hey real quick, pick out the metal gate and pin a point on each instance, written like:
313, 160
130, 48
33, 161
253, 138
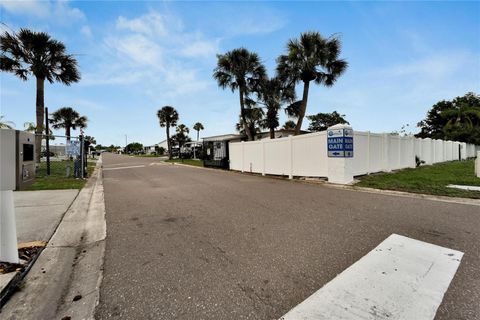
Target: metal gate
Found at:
215, 154
63, 156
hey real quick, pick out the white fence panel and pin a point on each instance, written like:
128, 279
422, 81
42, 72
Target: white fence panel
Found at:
306, 155
253, 156
235, 156
309, 153
361, 154
276, 156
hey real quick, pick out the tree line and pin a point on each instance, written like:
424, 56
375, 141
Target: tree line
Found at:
168, 117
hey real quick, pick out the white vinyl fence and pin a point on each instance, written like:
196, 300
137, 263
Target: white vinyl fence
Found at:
306, 155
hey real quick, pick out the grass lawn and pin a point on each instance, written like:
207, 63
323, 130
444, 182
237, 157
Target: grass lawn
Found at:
192, 162
428, 179
57, 178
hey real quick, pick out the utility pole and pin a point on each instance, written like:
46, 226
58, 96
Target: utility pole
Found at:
126, 144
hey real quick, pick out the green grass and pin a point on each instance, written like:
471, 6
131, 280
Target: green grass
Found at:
428, 179
57, 178
192, 162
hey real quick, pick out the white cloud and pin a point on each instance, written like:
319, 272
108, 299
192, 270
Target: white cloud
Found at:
56, 11
35, 8
155, 51
86, 31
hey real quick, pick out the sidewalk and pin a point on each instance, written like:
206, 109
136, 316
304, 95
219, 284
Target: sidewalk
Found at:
38, 213
64, 280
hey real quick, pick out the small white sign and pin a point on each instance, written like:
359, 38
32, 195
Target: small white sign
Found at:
72, 148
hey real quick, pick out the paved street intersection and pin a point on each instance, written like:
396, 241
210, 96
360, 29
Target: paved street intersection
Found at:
192, 243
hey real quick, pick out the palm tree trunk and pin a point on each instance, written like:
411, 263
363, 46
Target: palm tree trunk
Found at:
198, 134
40, 112
169, 147
272, 133
67, 133
242, 115
303, 107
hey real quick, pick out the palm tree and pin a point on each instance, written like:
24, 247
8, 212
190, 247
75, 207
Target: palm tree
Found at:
289, 125
68, 119
35, 53
272, 94
197, 127
240, 69
311, 58
254, 118
6, 124
168, 117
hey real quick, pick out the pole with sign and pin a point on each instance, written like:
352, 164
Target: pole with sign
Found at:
340, 138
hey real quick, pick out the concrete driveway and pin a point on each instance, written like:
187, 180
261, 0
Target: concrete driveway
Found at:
188, 243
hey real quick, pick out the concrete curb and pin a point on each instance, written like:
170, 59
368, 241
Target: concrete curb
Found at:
352, 187
65, 280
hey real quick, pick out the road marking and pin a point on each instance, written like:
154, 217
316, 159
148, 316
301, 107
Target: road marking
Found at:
402, 278
120, 168
469, 188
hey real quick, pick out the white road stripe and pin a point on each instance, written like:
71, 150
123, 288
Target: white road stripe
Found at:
119, 168
401, 278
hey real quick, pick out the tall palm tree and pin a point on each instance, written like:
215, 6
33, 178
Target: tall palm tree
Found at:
68, 119
311, 58
240, 69
197, 127
35, 53
168, 117
6, 124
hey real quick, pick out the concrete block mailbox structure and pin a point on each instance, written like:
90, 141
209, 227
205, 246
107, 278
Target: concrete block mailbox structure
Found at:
307, 155
8, 231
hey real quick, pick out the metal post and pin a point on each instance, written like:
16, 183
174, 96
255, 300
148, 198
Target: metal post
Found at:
82, 150
47, 141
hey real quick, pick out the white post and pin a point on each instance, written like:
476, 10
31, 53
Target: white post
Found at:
243, 155
340, 157
385, 152
8, 228
290, 142
477, 165
263, 157
368, 152
413, 164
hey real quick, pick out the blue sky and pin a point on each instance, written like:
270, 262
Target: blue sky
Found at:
136, 57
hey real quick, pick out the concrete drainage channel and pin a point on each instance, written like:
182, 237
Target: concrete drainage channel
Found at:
64, 282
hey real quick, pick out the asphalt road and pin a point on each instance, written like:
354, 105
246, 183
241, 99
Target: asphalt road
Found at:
188, 243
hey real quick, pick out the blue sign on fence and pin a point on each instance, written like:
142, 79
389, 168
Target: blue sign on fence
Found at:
340, 143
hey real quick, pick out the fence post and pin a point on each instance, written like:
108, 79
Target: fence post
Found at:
243, 154
47, 142
263, 157
368, 152
82, 150
385, 152
290, 143
413, 164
